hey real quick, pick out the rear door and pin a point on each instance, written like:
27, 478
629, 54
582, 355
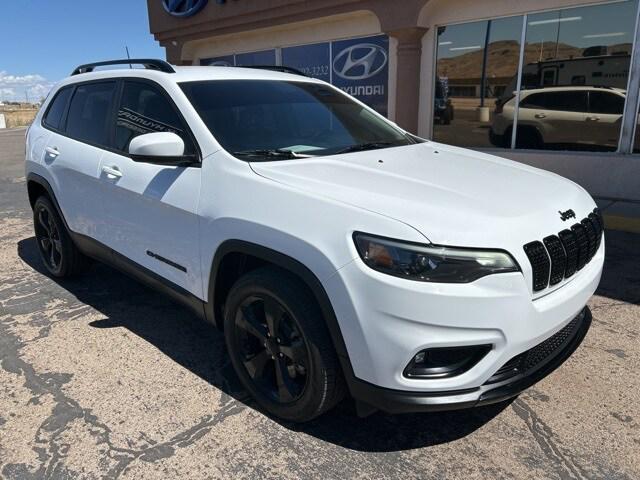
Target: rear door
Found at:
151, 210
73, 152
558, 114
605, 117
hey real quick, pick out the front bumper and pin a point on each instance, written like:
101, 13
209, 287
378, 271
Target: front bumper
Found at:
500, 387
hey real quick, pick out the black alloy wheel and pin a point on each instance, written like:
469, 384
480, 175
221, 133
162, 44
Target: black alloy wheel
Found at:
274, 353
280, 346
58, 252
48, 237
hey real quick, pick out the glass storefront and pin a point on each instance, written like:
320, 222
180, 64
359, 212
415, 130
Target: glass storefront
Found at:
575, 71
476, 63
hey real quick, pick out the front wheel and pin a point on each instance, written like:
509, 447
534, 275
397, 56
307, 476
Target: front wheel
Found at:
280, 347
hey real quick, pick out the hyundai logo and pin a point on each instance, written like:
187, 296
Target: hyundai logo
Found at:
183, 8
361, 61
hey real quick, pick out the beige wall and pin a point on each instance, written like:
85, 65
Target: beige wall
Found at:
349, 25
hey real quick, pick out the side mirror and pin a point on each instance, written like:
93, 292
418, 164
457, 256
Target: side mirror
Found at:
162, 148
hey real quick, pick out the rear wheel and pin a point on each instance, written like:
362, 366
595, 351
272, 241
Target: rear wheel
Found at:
58, 252
280, 347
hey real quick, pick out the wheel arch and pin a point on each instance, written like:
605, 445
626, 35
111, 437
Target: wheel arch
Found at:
37, 185
243, 256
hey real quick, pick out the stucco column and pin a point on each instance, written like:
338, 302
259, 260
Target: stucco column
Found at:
409, 57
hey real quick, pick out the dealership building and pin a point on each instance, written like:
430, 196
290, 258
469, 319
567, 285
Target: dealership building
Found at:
551, 83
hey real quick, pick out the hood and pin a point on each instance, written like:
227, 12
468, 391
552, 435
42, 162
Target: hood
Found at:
452, 196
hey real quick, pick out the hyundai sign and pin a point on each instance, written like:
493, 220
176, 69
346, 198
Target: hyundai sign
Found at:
183, 8
360, 67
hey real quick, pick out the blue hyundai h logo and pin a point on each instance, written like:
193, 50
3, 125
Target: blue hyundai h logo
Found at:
183, 8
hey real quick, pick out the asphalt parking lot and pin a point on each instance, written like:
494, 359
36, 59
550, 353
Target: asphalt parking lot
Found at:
103, 378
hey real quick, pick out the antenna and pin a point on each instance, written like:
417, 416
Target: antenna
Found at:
128, 56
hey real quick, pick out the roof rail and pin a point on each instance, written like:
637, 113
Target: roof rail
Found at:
276, 68
148, 63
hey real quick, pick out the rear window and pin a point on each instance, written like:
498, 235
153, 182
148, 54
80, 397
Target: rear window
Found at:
90, 111
53, 117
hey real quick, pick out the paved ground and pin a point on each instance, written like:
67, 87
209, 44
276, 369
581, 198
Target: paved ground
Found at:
102, 378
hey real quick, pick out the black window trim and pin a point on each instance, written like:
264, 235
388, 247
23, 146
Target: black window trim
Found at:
119, 87
63, 117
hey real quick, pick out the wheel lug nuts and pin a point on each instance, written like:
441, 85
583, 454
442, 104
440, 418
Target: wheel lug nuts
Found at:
281, 354
273, 357
278, 340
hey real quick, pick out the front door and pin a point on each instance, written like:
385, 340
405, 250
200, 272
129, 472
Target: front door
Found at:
152, 209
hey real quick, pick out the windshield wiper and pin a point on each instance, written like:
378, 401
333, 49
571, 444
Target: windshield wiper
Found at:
274, 152
360, 147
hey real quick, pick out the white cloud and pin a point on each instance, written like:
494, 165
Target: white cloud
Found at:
15, 80
20, 87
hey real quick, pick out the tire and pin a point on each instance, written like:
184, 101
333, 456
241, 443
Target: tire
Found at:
529, 138
297, 375
58, 252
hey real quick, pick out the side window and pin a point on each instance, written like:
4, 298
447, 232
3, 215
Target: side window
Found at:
53, 117
89, 112
144, 109
606, 103
535, 101
572, 101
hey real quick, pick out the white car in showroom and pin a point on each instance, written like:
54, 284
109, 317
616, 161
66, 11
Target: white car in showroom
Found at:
553, 116
338, 253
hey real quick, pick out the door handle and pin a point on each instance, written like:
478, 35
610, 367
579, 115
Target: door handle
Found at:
112, 172
52, 151
593, 119
540, 115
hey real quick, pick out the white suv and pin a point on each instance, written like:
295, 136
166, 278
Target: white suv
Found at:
337, 252
561, 116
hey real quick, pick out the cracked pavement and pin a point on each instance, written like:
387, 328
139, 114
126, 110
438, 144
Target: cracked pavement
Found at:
101, 377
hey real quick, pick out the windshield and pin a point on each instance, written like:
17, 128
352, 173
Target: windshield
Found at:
267, 120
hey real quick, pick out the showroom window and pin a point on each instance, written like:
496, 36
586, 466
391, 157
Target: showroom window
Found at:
477, 63
573, 79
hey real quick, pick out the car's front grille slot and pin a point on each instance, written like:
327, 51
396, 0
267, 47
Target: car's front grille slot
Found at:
583, 244
570, 245
540, 263
559, 257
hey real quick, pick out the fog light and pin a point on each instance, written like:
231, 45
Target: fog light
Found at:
445, 362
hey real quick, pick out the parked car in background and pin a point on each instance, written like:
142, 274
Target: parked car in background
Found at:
551, 116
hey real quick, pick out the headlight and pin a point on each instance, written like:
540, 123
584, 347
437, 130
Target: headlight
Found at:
430, 263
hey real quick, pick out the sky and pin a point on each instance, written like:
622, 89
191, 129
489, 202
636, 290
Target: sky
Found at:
42, 41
